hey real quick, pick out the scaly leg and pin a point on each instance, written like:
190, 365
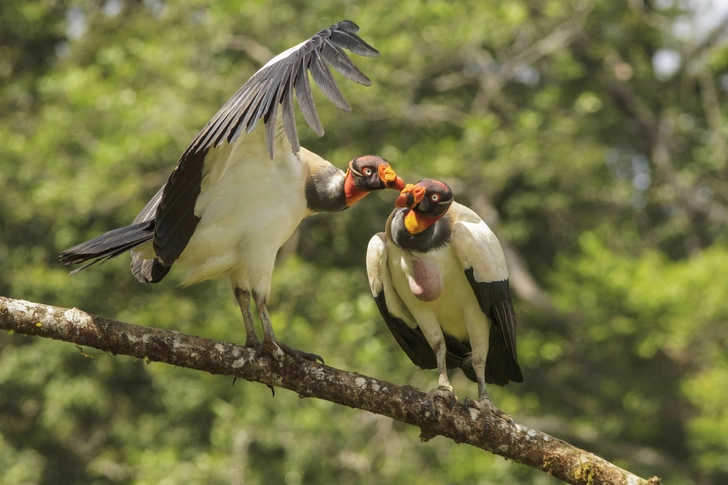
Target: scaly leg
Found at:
270, 343
243, 298
484, 403
443, 390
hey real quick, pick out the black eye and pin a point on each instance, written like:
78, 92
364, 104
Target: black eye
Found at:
435, 197
367, 171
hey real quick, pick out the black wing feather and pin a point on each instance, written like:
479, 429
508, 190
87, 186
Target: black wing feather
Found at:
325, 80
306, 104
175, 218
415, 345
495, 301
338, 59
349, 40
147, 214
288, 118
270, 130
148, 270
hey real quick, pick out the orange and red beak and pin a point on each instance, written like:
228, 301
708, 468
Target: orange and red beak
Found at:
410, 196
389, 177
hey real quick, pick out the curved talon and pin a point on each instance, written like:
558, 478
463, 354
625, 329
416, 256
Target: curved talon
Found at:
278, 349
258, 347
444, 393
252, 343
485, 404
300, 354
505, 417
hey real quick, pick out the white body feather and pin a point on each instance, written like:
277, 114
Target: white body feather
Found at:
248, 207
456, 311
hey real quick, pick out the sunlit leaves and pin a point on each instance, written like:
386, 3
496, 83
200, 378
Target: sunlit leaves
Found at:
99, 98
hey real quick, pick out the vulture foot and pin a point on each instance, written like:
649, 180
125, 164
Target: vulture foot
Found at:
252, 342
274, 349
443, 392
299, 354
485, 404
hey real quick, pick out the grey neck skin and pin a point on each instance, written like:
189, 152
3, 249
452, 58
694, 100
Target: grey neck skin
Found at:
434, 237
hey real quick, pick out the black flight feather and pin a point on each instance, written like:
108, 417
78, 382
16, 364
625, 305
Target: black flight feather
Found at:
495, 301
306, 104
415, 345
325, 80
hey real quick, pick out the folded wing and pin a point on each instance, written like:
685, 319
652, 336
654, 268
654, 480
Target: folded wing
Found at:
408, 336
484, 264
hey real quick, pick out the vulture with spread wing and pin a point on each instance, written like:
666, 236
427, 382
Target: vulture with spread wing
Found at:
237, 193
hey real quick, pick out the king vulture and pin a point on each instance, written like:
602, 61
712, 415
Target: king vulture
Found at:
237, 193
440, 281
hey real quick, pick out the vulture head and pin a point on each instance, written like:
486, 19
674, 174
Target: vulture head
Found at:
368, 173
427, 201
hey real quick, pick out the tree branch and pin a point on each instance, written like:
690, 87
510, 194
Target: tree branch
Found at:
309, 379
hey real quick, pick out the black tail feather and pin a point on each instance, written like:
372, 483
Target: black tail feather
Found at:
108, 245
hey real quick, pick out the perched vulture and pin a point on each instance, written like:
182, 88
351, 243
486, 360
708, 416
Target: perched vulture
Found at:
237, 193
440, 281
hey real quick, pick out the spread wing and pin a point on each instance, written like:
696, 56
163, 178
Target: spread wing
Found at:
396, 315
483, 261
276, 83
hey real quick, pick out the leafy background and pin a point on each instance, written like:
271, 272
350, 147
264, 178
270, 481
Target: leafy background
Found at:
589, 135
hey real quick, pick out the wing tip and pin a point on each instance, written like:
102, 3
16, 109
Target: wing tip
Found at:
371, 52
352, 26
225, 127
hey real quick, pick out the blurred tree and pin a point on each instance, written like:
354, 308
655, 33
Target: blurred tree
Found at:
588, 134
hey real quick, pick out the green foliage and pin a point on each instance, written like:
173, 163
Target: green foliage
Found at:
520, 105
